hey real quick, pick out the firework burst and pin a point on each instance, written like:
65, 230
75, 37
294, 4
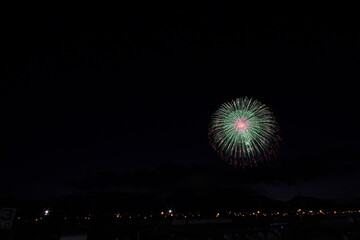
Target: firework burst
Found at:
244, 132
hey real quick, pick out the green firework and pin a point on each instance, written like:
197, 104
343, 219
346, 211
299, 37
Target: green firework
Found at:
244, 132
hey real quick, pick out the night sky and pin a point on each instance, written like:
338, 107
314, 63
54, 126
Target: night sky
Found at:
92, 88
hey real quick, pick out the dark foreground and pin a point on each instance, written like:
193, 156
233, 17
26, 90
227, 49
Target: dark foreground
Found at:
256, 226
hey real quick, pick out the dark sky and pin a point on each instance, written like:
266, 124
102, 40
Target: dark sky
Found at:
92, 87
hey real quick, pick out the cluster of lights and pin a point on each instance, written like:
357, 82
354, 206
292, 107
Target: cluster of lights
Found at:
172, 214
165, 214
328, 212
284, 214
256, 213
65, 218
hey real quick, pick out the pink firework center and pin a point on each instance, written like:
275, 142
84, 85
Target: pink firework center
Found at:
241, 124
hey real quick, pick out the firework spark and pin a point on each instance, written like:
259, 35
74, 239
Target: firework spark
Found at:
244, 132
